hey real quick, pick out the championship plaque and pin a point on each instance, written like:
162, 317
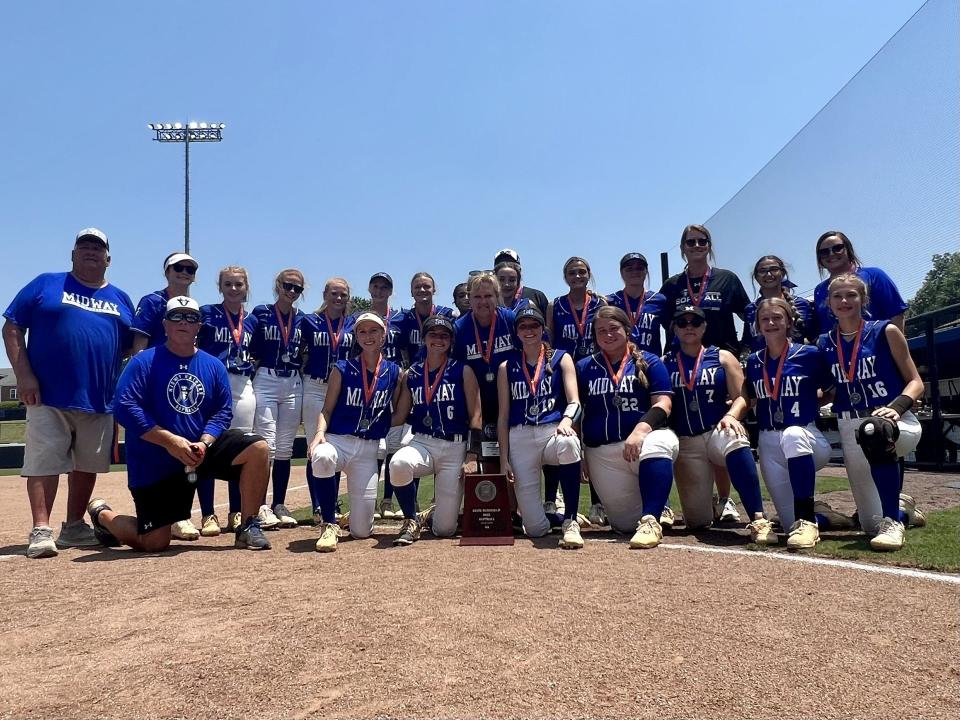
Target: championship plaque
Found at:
486, 511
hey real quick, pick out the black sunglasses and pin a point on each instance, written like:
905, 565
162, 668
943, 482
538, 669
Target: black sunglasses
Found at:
292, 287
770, 270
184, 268
832, 250
696, 242
179, 316
683, 322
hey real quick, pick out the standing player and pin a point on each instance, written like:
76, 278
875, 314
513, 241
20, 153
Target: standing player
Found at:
509, 276
327, 339
770, 273
539, 404
534, 296
226, 333
877, 384
65, 334
629, 450
461, 300
361, 396
645, 308
704, 380
782, 381
174, 402
440, 398
277, 347
422, 288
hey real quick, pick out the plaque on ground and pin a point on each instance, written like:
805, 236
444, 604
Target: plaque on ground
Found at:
486, 511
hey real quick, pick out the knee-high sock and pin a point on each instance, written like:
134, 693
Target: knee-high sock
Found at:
327, 495
233, 496
743, 475
281, 478
407, 499
205, 494
387, 485
568, 476
803, 480
886, 476
902, 464
656, 477
551, 481
314, 487
595, 499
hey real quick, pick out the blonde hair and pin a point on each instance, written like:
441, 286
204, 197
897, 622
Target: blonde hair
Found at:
703, 231
278, 281
850, 279
237, 270
474, 283
612, 312
789, 312
326, 286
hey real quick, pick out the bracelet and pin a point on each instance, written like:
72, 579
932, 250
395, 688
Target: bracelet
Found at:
655, 417
573, 412
901, 404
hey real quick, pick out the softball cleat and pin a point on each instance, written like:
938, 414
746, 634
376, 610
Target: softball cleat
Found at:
571, 539
648, 534
803, 535
889, 537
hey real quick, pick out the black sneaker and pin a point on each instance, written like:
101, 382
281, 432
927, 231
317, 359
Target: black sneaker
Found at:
251, 536
104, 536
409, 532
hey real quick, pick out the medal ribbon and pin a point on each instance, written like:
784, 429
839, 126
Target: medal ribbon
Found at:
285, 329
519, 293
430, 389
696, 371
582, 320
537, 373
488, 353
235, 330
852, 370
703, 288
774, 392
335, 337
617, 376
367, 388
634, 317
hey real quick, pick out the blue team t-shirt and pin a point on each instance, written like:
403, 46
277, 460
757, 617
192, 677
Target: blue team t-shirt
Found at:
76, 336
149, 318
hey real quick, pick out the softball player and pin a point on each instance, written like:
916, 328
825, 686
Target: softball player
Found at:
710, 431
440, 398
533, 384
646, 309
877, 384
327, 338
361, 396
461, 300
770, 273
277, 347
226, 333
511, 290
782, 381
629, 450
422, 288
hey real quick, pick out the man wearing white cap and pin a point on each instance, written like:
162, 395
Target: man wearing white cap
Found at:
175, 403
79, 328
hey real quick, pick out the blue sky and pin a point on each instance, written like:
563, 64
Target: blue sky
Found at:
404, 136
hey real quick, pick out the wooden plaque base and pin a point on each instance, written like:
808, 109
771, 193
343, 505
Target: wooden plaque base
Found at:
486, 511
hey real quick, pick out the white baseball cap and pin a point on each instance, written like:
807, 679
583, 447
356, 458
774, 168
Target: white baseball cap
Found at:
180, 303
179, 258
506, 254
92, 233
370, 317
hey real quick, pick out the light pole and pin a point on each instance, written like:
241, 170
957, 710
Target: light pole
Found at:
186, 134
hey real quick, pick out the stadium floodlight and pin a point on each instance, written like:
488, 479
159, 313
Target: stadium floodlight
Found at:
189, 133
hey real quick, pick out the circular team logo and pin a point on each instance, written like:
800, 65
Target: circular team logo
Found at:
485, 491
185, 393
490, 431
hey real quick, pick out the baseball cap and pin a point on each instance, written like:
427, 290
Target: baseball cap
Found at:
370, 317
689, 310
630, 257
92, 233
179, 258
181, 303
382, 276
506, 254
528, 313
437, 321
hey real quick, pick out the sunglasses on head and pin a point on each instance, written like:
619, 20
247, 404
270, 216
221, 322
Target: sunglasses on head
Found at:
831, 250
184, 268
693, 321
292, 287
696, 242
187, 317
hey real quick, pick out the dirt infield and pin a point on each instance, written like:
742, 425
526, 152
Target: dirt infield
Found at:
437, 630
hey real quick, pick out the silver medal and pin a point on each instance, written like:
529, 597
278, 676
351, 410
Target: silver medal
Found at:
427, 421
533, 410
489, 376
855, 398
583, 348
694, 406
364, 425
285, 357
778, 415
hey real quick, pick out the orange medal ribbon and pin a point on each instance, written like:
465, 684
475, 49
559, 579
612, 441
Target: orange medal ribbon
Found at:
696, 370
634, 317
703, 287
367, 388
285, 328
852, 370
582, 320
774, 392
534, 383
488, 353
335, 337
617, 376
235, 330
430, 389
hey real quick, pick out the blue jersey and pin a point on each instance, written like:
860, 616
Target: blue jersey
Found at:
649, 318
568, 335
76, 337
186, 396
803, 328
268, 346
547, 405
885, 300
216, 337
411, 322
612, 411
352, 415
466, 349
699, 410
804, 372
876, 379
318, 334
447, 412
149, 318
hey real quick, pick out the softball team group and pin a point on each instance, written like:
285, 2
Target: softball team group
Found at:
577, 389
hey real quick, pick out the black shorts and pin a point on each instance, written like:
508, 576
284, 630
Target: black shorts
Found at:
170, 499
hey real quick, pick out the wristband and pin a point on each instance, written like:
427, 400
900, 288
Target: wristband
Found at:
476, 437
208, 444
901, 404
573, 412
655, 417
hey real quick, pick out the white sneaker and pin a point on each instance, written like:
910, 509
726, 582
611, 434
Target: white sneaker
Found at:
667, 518
286, 518
915, 516
889, 537
648, 534
329, 534
597, 515
761, 532
803, 535
572, 539
268, 521
725, 510
184, 530
76, 534
41, 543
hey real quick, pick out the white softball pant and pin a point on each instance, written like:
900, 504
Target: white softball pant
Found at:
244, 402
617, 481
694, 475
778, 446
858, 468
314, 395
358, 459
532, 447
278, 411
426, 455
398, 436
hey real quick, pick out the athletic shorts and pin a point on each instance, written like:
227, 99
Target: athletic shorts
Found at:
61, 441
